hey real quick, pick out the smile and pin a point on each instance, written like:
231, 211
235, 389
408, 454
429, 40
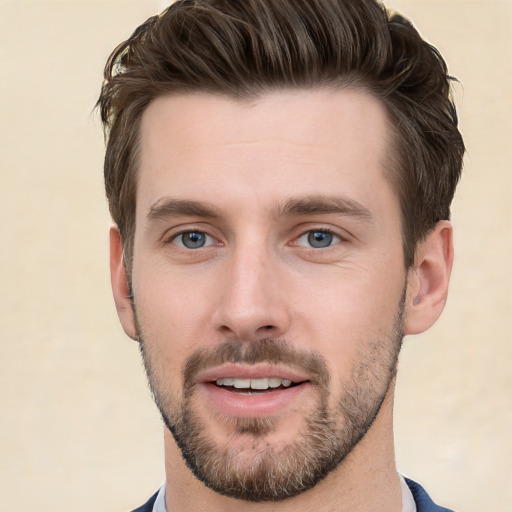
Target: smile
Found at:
262, 384
252, 390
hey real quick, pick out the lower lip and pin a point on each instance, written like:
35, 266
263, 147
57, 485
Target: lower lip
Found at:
251, 406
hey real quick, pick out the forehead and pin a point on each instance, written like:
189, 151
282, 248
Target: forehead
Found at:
285, 142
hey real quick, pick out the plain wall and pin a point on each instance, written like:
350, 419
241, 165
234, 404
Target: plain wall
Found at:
78, 429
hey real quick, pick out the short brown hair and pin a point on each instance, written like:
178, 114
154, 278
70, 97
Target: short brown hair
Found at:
243, 48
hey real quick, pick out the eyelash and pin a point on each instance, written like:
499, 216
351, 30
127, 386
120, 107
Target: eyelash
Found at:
335, 239
324, 231
175, 236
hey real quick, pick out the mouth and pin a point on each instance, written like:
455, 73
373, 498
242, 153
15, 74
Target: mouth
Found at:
252, 390
255, 386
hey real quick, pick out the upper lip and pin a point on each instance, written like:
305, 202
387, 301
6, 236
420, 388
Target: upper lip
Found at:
249, 371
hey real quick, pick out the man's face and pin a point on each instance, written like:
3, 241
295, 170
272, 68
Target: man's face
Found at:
268, 281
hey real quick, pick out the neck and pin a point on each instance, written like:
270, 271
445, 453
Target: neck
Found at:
366, 481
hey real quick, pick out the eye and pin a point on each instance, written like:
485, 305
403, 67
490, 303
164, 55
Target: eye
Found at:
318, 239
193, 240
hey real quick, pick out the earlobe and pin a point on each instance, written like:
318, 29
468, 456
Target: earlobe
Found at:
120, 285
428, 280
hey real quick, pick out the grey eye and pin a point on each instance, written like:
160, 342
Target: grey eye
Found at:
319, 239
192, 240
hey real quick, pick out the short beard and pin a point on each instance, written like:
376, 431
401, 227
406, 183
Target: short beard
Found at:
261, 471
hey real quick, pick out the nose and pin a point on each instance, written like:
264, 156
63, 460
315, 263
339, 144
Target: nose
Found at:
252, 301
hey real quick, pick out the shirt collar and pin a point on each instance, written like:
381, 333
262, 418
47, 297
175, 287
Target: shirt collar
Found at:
408, 504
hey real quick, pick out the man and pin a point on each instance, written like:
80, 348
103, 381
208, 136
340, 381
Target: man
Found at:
280, 174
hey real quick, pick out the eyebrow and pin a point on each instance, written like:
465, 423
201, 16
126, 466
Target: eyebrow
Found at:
320, 204
168, 207
300, 206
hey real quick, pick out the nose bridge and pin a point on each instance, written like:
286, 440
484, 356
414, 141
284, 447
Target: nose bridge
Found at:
252, 303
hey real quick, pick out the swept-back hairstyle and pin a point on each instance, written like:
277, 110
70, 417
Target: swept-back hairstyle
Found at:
244, 48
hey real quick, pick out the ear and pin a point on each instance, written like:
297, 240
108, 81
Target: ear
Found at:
427, 284
120, 286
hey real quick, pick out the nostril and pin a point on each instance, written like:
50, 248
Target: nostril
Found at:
266, 330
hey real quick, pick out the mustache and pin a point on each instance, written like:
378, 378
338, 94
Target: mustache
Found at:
275, 351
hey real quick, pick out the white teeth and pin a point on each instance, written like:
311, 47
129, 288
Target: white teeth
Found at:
242, 383
265, 383
259, 383
274, 382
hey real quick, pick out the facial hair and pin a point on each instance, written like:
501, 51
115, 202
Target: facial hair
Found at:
257, 470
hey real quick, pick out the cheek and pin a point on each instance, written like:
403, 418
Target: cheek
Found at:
343, 316
359, 298
169, 299
170, 321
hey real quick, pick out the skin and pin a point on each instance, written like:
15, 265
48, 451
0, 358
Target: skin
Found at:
257, 276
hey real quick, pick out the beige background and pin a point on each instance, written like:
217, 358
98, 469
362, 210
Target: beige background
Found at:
78, 430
